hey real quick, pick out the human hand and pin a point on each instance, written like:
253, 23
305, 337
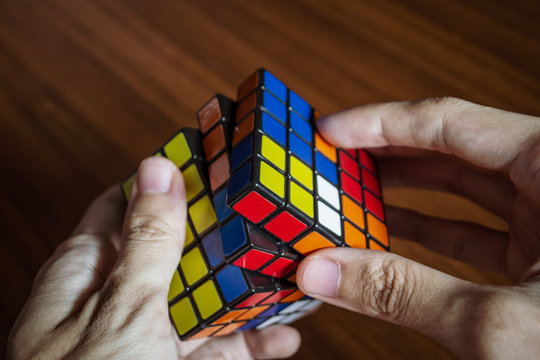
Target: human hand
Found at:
492, 157
103, 293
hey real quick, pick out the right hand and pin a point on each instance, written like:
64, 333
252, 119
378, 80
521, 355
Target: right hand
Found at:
500, 171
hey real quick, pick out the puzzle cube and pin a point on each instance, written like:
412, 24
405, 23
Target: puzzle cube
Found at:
264, 189
287, 179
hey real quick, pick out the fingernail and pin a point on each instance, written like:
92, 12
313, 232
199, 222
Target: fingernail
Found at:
154, 175
321, 277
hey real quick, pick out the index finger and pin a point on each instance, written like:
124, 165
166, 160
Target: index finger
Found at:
482, 135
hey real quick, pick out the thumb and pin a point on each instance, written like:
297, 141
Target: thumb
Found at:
388, 287
154, 229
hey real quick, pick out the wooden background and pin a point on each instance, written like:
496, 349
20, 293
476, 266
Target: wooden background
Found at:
87, 89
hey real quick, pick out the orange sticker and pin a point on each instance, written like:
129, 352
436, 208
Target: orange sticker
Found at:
325, 148
209, 114
354, 237
377, 229
297, 295
244, 128
373, 245
253, 312
229, 328
312, 242
214, 142
248, 85
228, 317
205, 332
353, 212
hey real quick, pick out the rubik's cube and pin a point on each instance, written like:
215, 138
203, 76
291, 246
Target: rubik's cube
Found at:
263, 190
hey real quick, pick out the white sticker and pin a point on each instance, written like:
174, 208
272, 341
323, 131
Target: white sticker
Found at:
292, 317
329, 218
328, 192
294, 306
313, 304
270, 321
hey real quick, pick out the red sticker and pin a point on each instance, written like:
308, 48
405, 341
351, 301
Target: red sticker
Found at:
254, 207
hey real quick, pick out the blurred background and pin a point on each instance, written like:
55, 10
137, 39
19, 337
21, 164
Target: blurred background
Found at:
89, 88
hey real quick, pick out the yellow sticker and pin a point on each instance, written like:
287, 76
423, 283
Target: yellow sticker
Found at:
272, 179
177, 150
302, 173
128, 185
273, 152
183, 316
202, 214
189, 235
302, 199
176, 287
193, 266
207, 299
193, 181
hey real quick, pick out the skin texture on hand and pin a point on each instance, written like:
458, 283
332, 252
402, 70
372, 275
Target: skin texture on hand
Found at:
489, 156
103, 293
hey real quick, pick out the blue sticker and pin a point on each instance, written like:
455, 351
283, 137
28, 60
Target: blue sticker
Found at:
299, 105
232, 282
301, 127
239, 179
233, 235
274, 310
326, 167
299, 148
241, 152
275, 86
274, 128
213, 248
275, 107
251, 324
223, 211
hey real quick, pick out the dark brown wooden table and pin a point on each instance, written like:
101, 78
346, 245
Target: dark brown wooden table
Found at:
89, 88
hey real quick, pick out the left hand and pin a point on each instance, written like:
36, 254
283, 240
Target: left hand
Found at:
103, 293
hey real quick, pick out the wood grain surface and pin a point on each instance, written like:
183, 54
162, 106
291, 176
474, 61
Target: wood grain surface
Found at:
89, 88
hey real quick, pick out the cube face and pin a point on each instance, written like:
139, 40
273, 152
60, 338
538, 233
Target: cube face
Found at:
263, 189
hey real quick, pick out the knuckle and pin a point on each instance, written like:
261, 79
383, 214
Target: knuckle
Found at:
149, 227
441, 104
82, 249
75, 242
440, 109
386, 290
